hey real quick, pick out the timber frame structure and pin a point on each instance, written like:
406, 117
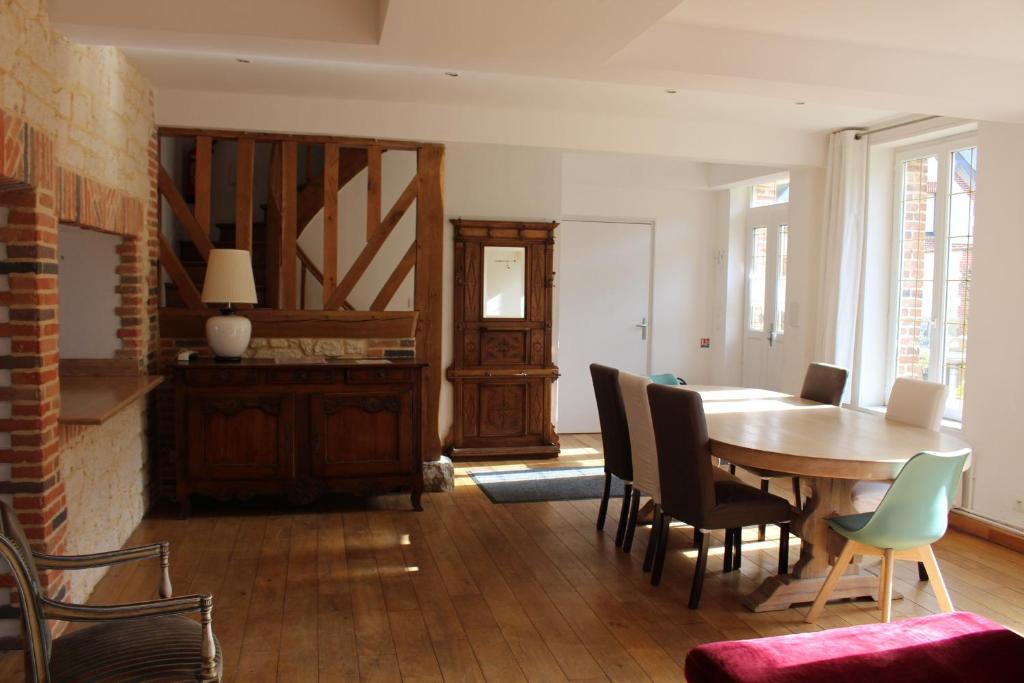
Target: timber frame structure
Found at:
289, 211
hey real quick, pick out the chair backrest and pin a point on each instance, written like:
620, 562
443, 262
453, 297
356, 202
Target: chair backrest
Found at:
641, 433
916, 402
915, 510
667, 378
824, 383
17, 554
684, 453
612, 415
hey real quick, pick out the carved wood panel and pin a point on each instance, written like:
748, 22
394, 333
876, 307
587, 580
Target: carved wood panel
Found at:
503, 409
503, 347
241, 437
355, 434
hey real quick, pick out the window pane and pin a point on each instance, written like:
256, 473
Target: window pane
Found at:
917, 267
766, 194
959, 263
758, 278
780, 279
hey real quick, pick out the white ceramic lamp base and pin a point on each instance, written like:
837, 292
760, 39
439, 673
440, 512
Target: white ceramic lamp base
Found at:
228, 336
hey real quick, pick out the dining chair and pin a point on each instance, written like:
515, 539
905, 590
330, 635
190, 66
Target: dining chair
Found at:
141, 641
667, 378
618, 459
693, 492
916, 403
823, 383
641, 440
912, 515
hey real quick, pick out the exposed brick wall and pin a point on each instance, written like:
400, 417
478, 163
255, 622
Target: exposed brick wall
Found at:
917, 245
76, 145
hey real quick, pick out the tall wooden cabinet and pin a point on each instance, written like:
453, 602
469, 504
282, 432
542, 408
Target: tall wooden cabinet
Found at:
502, 372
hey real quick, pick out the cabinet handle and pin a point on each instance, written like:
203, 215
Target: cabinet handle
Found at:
301, 375
380, 374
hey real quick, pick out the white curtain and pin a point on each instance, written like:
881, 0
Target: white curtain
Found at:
842, 249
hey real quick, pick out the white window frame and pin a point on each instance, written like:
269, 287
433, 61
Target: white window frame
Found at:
942, 149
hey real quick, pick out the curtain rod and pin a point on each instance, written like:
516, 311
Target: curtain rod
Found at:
872, 131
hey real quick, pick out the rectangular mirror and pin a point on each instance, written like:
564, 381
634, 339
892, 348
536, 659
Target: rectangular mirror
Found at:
504, 282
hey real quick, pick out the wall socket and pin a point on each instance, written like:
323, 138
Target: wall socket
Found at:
1018, 505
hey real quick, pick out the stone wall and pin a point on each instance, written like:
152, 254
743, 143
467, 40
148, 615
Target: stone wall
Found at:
106, 479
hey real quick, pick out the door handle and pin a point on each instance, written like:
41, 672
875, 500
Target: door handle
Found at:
643, 329
771, 335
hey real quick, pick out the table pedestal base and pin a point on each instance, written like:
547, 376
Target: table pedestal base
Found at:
782, 592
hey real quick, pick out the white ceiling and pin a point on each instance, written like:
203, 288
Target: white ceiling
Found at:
741, 62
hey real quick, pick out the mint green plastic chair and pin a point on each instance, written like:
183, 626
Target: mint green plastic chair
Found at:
912, 516
666, 378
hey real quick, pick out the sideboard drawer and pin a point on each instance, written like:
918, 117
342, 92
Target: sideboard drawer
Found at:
304, 376
378, 375
207, 377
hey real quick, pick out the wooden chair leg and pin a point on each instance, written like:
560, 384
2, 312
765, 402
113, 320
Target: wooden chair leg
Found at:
727, 555
838, 569
784, 548
652, 541
935, 578
696, 537
634, 512
732, 469
603, 510
922, 572
761, 528
796, 493
659, 557
698, 572
885, 593
620, 533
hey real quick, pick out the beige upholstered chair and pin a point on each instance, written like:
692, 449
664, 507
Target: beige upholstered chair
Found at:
644, 451
913, 402
143, 641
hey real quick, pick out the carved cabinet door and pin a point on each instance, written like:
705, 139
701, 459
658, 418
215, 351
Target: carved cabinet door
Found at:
248, 436
362, 434
503, 413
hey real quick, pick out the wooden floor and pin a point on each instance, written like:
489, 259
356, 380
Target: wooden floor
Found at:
471, 591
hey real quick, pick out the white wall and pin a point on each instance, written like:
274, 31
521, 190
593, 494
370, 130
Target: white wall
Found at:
673, 194
88, 297
995, 381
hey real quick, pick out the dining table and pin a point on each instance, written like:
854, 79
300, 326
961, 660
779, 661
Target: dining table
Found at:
830, 448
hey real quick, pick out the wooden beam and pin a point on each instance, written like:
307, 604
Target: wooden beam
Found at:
330, 263
204, 161
395, 280
311, 199
374, 244
289, 258
219, 134
429, 286
373, 186
273, 271
196, 233
186, 323
243, 195
179, 276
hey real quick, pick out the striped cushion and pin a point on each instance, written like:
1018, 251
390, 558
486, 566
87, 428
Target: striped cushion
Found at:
156, 649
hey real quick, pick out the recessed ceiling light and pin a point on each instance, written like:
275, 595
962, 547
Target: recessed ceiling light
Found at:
671, 91
800, 103
451, 74
243, 60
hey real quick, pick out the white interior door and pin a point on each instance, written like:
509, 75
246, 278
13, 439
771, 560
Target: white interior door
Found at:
765, 311
604, 295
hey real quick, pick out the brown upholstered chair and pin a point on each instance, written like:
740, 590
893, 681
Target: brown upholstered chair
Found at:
823, 383
618, 460
143, 641
690, 491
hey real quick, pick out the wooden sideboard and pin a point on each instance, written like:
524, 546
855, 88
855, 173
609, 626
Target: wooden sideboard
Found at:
297, 429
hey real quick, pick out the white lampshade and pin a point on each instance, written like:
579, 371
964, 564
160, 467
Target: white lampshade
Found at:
229, 278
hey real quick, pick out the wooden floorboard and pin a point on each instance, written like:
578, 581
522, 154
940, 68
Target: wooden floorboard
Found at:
472, 591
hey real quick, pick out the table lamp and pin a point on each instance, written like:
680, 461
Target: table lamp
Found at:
229, 280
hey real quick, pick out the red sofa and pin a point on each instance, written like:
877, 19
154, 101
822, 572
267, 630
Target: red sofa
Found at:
954, 647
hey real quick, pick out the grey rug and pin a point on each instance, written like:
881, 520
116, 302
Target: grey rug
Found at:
553, 483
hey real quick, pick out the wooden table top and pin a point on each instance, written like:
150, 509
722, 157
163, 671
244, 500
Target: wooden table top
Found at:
785, 433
